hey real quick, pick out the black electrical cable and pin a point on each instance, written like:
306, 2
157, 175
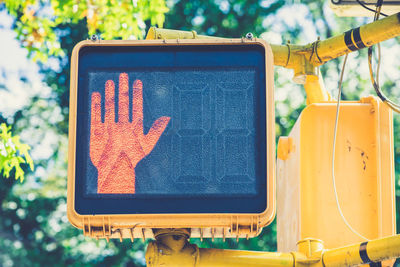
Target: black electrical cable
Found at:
370, 9
375, 82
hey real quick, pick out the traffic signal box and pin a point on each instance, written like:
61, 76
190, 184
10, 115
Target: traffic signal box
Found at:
171, 134
364, 172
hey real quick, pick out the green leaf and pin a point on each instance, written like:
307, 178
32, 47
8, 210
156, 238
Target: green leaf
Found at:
13, 154
36, 30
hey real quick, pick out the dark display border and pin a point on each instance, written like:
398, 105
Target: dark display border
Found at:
194, 56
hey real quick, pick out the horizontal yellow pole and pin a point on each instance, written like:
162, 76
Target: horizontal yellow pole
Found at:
369, 35
316, 53
157, 33
363, 253
319, 52
173, 249
305, 59
236, 258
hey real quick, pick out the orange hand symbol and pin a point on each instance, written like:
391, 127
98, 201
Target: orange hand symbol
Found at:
117, 147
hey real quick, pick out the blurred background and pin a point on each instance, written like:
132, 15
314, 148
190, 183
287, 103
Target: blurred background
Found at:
36, 41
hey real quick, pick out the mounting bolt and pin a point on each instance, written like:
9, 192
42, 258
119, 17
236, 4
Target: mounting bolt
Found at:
249, 36
94, 38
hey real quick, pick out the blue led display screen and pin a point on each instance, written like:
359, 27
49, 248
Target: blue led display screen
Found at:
174, 129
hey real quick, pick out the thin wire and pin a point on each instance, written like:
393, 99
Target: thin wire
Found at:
370, 9
378, 66
376, 17
379, 93
333, 153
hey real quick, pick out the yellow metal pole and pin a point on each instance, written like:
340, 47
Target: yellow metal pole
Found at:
358, 38
280, 51
316, 53
363, 253
305, 59
172, 248
157, 33
236, 258
315, 90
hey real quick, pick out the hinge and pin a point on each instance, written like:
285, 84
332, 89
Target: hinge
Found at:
99, 227
243, 227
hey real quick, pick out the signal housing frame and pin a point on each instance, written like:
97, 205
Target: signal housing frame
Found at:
201, 225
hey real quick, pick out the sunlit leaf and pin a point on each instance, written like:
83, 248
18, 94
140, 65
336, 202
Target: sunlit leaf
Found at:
13, 154
36, 29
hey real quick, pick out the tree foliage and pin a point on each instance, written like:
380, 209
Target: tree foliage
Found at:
39, 21
13, 154
34, 229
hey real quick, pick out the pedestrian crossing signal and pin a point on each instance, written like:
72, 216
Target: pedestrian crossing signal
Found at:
167, 135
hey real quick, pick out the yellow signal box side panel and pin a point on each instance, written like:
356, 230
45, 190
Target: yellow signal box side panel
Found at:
364, 171
207, 225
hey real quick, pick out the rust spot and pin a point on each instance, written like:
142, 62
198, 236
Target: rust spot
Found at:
364, 157
348, 145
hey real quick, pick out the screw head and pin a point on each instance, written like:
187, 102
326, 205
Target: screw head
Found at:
249, 35
93, 37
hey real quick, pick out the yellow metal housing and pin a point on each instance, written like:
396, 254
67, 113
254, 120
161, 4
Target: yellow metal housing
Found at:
364, 172
200, 225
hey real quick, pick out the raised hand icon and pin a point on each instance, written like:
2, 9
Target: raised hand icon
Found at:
116, 147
